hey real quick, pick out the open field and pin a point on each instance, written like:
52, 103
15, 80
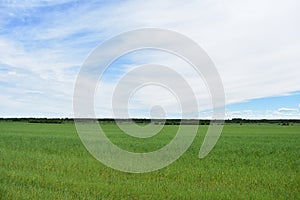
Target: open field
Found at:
48, 161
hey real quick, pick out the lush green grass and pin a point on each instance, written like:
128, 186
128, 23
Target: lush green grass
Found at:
48, 161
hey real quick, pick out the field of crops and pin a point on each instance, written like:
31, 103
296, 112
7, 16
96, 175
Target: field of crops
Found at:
48, 161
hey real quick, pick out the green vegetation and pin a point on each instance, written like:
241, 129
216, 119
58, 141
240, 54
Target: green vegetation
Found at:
48, 161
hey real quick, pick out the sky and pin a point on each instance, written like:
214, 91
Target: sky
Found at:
255, 46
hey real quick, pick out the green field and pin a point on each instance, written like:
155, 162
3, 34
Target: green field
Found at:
48, 161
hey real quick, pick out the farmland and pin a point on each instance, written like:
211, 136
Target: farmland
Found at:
48, 161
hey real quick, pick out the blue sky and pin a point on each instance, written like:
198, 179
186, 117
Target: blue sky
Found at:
255, 46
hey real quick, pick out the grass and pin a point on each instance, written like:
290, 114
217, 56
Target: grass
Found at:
48, 161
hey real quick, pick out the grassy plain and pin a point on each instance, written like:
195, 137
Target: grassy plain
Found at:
48, 161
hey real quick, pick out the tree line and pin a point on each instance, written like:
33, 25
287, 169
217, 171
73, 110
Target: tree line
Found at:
240, 121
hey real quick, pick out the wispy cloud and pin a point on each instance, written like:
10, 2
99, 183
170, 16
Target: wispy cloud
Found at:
255, 47
288, 110
264, 114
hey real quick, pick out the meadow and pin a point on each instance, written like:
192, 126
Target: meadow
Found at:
48, 161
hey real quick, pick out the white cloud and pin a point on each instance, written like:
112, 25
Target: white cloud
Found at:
283, 113
255, 46
288, 110
14, 73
